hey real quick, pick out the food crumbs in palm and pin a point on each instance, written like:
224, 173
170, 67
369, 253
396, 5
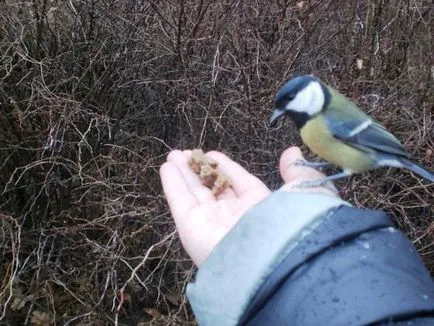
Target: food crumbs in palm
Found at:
206, 169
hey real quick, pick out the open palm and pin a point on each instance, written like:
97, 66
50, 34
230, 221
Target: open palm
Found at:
203, 219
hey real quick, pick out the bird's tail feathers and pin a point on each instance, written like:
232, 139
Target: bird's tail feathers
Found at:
417, 168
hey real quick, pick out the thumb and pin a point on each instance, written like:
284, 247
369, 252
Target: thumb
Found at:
293, 174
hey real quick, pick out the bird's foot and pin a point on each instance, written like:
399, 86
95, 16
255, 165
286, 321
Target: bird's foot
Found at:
324, 182
314, 165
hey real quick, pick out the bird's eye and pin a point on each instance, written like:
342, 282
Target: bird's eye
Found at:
290, 97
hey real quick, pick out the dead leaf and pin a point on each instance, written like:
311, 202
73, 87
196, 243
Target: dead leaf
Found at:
40, 318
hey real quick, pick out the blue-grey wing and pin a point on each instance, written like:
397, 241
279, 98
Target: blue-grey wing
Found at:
366, 136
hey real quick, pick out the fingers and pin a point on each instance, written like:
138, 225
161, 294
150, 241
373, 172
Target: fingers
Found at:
178, 195
191, 180
179, 181
295, 174
290, 172
242, 182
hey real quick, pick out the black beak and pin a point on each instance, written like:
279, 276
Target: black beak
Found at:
276, 115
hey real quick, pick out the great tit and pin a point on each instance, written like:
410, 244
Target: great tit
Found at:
334, 128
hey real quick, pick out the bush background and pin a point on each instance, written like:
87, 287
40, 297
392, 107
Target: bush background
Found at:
94, 94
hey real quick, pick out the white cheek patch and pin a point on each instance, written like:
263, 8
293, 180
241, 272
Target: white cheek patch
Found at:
309, 100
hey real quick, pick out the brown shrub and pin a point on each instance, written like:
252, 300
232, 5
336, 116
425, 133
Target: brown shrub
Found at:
95, 93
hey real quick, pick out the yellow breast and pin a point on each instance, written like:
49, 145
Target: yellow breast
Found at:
316, 136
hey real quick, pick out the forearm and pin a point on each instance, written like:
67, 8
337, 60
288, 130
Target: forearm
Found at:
294, 256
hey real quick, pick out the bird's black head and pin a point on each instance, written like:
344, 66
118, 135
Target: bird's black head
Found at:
300, 99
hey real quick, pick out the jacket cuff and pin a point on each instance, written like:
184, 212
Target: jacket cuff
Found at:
230, 277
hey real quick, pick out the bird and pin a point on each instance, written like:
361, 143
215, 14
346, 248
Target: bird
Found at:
337, 130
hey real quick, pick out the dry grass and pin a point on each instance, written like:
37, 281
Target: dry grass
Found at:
95, 93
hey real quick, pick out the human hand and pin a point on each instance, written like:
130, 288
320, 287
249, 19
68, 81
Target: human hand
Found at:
201, 218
